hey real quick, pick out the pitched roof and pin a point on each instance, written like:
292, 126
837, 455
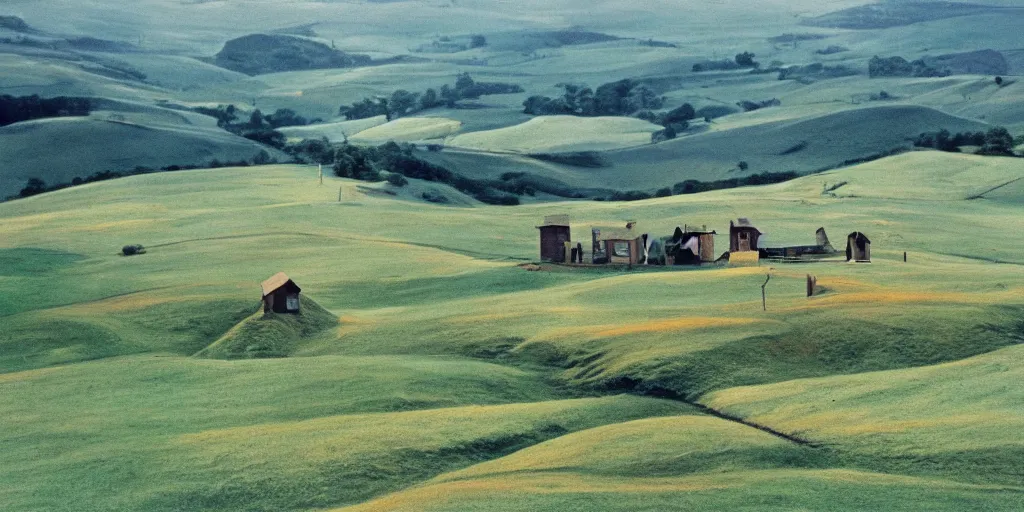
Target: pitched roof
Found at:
555, 220
276, 282
618, 233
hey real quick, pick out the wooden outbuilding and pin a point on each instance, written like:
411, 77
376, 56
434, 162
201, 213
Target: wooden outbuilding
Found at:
743, 236
618, 245
554, 237
690, 246
858, 248
705, 242
280, 294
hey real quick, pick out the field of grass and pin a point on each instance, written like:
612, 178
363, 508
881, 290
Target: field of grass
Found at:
438, 375
119, 138
553, 134
408, 129
432, 367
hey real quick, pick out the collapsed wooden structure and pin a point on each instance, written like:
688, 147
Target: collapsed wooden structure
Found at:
619, 245
858, 248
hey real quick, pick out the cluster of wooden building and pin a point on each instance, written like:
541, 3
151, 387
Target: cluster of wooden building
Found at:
688, 245
628, 245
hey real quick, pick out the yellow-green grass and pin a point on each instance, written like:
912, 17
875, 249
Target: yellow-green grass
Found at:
654, 447
682, 463
416, 281
408, 129
273, 335
961, 418
801, 141
175, 434
773, 490
556, 134
334, 131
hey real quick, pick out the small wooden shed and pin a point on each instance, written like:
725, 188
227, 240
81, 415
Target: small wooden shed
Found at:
620, 245
705, 241
858, 248
743, 236
554, 234
280, 294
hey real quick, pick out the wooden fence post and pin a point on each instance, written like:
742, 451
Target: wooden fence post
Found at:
764, 296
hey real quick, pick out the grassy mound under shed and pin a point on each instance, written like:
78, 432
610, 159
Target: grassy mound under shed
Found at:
272, 334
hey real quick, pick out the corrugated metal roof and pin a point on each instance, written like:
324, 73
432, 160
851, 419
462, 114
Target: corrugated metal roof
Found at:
276, 281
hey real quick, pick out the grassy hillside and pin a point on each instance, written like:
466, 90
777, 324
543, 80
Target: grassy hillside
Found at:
801, 143
60, 149
553, 134
440, 375
408, 129
435, 366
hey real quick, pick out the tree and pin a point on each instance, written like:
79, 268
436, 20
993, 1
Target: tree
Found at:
477, 41
429, 99
642, 97
663, 192
449, 96
683, 113
285, 117
272, 138
256, 119
999, 80
998, 141
402, 102
746, 59
397, 180
33, 187
609, 98
463, 81
743, 165
261, 158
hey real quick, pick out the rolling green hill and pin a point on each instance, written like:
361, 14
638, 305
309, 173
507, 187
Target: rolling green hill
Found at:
804, 144
439, 375
436, 364
60, 149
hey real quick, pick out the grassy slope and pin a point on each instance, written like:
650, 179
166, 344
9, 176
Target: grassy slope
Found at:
116, 139
547, 134
788, 140
408, 129
442, 282
171, 433
959, 418
679, 463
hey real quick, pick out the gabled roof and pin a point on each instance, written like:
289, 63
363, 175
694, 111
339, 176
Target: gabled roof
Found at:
277, 281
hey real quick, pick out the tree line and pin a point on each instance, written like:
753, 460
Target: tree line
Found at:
996, 142
257, 126
26, 108
402, 102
